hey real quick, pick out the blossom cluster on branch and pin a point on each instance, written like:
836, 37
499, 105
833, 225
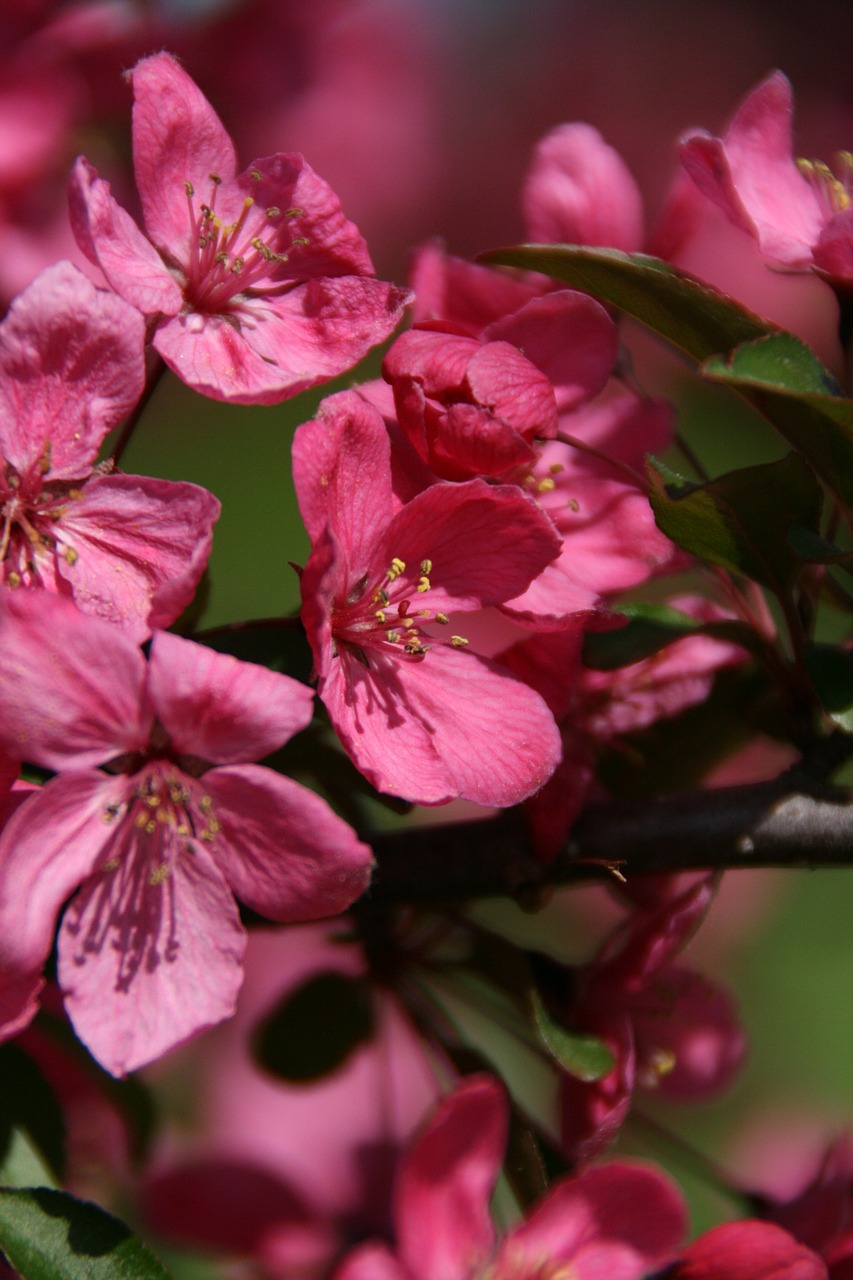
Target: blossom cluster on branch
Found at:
519, 573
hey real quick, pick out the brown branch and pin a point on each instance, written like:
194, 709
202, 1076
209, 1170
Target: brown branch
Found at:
792, 821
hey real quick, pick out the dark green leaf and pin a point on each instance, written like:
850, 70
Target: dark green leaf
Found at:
49, 1235
784, 379
692, 316
831, 671
316, 1027
741, 519
28, 1102
812, 548
584, 1057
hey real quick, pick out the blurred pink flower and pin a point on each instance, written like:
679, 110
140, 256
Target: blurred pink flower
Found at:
155, 818
621, 1220
256, 284
421, 718
127, 548
749, 1250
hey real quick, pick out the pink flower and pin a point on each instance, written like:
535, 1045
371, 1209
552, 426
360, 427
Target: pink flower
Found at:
421, 718
747, 1250
800, 214
256, 284
154, 820
621, 1221
127, 548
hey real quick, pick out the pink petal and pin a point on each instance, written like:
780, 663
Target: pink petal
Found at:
833, 253
444, 1227
436, 358
71, 367
750, 174
371, 1262
276, 347
218, 708
570, 337
132, 549
282, 849
618, 1222
19, 1001
462, 293
71, 684
578, 190
109, 237
341, 472
509, 384
145, 963
449, 725
591, 1114
486, 543
470, 441
49, 846
177, 138
748, 1250
554, 597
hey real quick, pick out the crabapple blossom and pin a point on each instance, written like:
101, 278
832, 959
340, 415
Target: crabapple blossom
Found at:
127, 548
622, 1220
749, 1250
155, 819
255, 284
418, 715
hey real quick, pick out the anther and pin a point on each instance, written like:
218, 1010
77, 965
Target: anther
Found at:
458, 642
423, 584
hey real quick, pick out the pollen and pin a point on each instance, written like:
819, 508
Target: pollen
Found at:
398, 567
459, 642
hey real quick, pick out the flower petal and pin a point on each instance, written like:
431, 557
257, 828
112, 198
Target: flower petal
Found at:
147, 962
282, 849
71, 367
216, 707
71, 686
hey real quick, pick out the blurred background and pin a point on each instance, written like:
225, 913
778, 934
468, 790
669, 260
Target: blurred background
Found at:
422, 115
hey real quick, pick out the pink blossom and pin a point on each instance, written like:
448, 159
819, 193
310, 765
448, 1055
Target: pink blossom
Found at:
155, 818
622, 1220
128, 548
749, 1250
256, 284
421, 718
799, 213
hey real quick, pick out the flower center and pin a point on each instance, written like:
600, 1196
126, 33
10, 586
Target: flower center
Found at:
228, 258
833, 191
163, 816
389, 615
30, 507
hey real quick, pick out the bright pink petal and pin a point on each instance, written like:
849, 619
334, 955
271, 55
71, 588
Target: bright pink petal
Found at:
71, 367
109, 237
275, 347
446, 726
218, 708
282, 849
436, 358
833, 253
177, 138
511, 385
70, 685
467, 441
579, 190
553, 597
570, 337
444, 1227
750, 174
748, 1251
51, 844
132, 549
462, 293
341, 472
145, 961
619, 1222
486, 542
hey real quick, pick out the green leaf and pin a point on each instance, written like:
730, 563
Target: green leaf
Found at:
741, 519
315, 1028
585, 1057
831, 672
784, 379
49, 1235
27, 1102
22, 1164
691, 315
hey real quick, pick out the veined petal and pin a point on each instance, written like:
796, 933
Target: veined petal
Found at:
54, 840
71, 367
132, 549
146, 961
109, 237
214, 706
177, 138
71, 686
444, 1227
281, 848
